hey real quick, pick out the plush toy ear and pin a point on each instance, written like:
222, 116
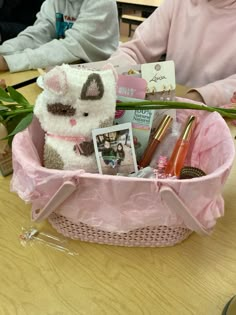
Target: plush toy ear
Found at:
93, 88
110, 66
55, 81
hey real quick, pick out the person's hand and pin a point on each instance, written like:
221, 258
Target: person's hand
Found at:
194, 96
3, 64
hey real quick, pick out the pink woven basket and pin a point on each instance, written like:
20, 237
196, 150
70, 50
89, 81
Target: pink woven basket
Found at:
150, 236
127, 211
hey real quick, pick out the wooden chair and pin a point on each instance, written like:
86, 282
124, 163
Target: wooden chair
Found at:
132, 20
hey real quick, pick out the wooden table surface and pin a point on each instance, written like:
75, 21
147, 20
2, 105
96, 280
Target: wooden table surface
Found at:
196, 277
29, 91
14, 78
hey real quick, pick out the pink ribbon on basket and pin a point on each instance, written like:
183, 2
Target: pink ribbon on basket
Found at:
77, 139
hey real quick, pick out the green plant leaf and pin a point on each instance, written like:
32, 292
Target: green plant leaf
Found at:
14, 120
5, 97
12, 106
11, 122
24, 123
2, 107
17, 97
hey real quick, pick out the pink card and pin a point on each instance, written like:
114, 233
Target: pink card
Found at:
131, 86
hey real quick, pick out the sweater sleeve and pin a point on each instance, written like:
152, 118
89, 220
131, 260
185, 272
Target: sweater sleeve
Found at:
150, 39
218, 92
94, 36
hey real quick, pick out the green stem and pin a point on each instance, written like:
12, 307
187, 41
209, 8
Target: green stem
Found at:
148, 105
19, 111
177, 105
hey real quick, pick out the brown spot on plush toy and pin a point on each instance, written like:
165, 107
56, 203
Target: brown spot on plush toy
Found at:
61, 109
93, 88
52, 158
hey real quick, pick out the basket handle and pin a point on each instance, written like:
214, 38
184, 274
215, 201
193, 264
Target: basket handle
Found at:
63, 192
174, 203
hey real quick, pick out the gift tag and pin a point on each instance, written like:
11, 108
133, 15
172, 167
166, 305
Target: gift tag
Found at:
160, 76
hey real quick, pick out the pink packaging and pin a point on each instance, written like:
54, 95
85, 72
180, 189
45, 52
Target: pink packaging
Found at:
126, 210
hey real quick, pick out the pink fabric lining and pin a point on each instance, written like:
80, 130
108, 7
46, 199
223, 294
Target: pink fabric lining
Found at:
121, 204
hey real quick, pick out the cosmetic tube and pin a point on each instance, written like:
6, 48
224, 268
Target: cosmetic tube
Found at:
180, 151
152, 146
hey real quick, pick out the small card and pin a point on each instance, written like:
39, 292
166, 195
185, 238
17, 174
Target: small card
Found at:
160, 76
131, 86
6, 162
141, 121
114, 149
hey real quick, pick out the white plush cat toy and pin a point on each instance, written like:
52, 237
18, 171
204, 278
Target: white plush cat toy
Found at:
74, 101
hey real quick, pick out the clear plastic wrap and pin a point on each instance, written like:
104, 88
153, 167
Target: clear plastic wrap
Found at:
33, 235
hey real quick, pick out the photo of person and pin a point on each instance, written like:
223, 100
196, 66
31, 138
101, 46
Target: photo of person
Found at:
114, 149
120, 153
108, 154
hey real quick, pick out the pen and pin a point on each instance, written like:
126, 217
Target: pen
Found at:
24, 83
159, 134
180, 151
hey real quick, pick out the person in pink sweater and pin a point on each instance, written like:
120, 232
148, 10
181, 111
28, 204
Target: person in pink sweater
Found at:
200, 36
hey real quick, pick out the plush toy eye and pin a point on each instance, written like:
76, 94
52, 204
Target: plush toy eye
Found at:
85, 114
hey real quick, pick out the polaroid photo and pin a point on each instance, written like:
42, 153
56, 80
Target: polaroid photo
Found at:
114, 149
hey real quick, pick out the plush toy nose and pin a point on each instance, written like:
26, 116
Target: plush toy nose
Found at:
73, 122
